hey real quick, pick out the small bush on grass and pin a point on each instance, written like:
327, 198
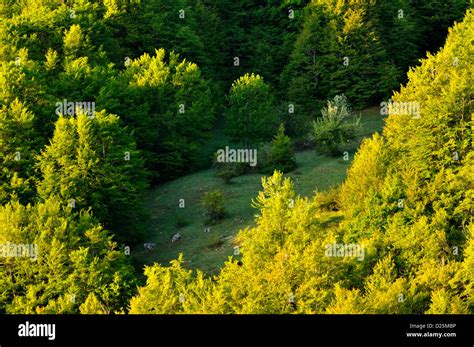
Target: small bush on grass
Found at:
213, 202
278, 155
228, 171
337, 126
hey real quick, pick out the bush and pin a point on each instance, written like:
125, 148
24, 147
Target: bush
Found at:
213, 202
227, 171
334, 128
251, 114
279, 154
328, 200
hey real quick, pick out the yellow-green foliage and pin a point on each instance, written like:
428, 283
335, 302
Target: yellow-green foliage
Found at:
173, 290
282, 266
407, 200
70, 257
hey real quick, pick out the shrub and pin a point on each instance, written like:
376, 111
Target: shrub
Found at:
227, 171
328, 200
213, 202
279, 154
334, 127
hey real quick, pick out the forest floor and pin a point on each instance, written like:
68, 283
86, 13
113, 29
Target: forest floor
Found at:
207, 250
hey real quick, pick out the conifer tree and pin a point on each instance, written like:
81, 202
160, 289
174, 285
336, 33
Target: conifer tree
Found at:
338, 52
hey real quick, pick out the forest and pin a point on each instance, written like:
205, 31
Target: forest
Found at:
236, 157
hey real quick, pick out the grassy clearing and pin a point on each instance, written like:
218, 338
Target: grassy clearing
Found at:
208, 250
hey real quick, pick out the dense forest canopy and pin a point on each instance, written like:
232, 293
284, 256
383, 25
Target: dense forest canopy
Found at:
101, 99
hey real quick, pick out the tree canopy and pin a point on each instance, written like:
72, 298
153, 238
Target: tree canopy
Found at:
102, 99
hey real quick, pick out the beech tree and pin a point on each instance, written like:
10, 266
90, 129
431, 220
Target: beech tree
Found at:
19, 144
93, 163
53, 258
251, 114
167, 104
